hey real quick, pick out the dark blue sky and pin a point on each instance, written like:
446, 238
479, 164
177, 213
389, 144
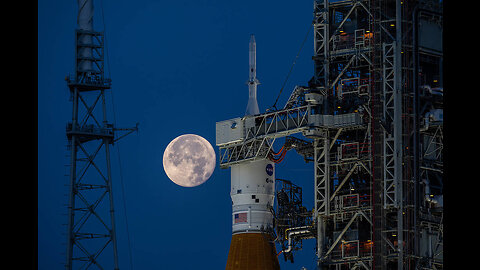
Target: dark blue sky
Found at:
177, 67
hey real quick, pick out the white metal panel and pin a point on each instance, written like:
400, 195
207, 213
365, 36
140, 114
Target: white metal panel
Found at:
252, 190
229, 131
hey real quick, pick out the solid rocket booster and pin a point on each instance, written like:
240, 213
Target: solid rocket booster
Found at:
252, 192
252, 106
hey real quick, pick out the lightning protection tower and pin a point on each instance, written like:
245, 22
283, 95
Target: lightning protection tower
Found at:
91, 221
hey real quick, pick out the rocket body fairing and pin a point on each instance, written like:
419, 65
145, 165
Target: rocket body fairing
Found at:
252, 192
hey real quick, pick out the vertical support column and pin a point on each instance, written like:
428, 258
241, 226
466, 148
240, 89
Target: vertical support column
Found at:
390, 144
322, 189
112, 212
378, 130
106, 142
416, 133
392, 116
72, 186
321, 44
392, 138
398, 129
71, 204
321, 145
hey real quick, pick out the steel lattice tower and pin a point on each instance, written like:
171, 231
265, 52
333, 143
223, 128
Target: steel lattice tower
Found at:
371, 119
91, 220
380, 58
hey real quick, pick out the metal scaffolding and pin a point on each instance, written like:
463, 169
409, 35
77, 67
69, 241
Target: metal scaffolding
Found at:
91, 220
372, 120
90, 230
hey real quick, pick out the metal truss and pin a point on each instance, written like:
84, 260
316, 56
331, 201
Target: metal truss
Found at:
364, 72
92, 78
433, 145
335, 201
322, 189
321, 44
277, 124
91, 221
391, 146
431, 211
322, 175
260, 131
293, 222
247, 151
393, 184
91, 225
356, 213
342, 156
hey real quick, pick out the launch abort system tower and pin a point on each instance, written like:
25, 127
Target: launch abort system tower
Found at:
371, 121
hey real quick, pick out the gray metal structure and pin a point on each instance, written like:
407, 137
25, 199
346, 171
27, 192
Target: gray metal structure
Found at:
372, 116
91, 221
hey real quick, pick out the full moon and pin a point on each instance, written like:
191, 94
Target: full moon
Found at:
189, 160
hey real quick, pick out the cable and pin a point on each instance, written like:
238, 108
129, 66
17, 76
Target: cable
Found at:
280, 158
291, 68
279, 151
118, 143
125, 207
279, 253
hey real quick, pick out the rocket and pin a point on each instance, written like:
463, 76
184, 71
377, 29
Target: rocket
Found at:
252, 105
252, 192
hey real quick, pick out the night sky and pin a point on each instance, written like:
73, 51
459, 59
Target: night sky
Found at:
177, 67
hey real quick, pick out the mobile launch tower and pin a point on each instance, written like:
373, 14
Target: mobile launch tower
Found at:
371, 122
91, 221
